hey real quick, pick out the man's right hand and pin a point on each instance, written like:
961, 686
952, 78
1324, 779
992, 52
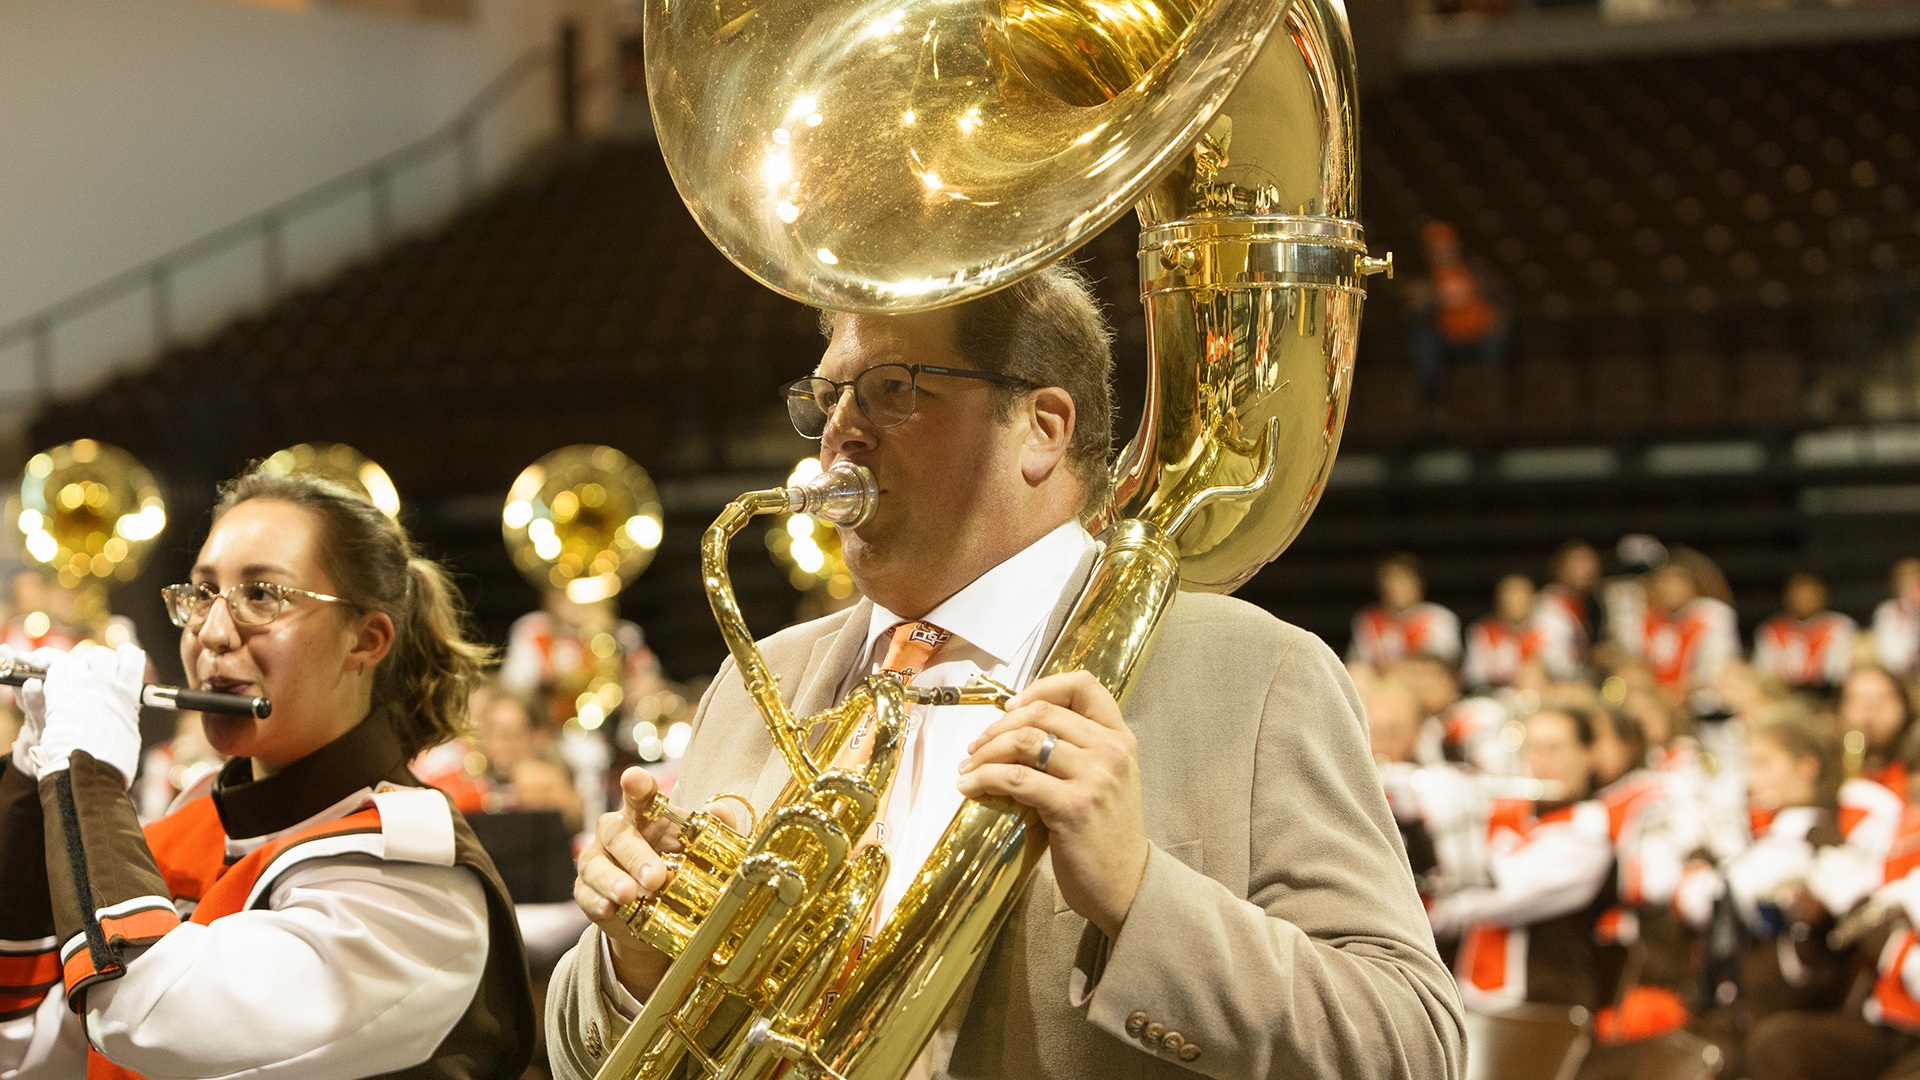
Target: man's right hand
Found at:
623, 863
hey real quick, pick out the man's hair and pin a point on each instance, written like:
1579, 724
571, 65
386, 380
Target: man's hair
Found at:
1046, 329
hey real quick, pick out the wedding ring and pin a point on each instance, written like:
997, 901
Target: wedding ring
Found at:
1046, 751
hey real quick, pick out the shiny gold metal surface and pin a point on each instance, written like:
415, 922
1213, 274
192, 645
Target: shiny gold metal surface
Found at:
341, 464
583, 519
912, 153
900, 156
89, 512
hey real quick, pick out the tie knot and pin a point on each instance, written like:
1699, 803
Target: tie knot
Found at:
912, 646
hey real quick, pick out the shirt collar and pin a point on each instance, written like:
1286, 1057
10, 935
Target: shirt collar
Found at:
366, 754
997, 612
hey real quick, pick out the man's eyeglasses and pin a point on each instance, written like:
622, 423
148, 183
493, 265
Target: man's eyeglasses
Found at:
251, 603
885, 394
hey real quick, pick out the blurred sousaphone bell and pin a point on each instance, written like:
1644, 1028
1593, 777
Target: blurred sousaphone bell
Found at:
341, 464
583, 519
89, 512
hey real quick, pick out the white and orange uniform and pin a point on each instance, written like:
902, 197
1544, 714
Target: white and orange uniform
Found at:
1383, 638
1496, 649
1565, 623
1895, 1000
1805, 653
1692, 646
1781, 855
1649, 853
1475, 730
1543, 865
1896, 634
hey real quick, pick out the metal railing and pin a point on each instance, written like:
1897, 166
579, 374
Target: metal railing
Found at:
460, 137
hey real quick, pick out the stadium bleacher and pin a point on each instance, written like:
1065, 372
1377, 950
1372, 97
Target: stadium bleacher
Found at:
1699, 247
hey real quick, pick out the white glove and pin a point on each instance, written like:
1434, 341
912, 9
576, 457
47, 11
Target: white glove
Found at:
93, 704
33, 709
1843, 876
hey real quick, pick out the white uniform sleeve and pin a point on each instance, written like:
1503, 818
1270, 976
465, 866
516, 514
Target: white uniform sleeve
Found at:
1893, 637
521, 667
1765, 656
357, 968
46, 1045
1839, 659
1446, 635
1358, 650
1475, 671
1560, 869
1719, 643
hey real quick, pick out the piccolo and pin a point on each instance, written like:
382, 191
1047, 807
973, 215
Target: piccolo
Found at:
15, 671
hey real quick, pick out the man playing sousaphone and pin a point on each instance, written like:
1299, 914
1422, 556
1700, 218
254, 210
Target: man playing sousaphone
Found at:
1224, 891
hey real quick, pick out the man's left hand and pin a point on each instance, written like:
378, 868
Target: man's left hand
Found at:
1088, 795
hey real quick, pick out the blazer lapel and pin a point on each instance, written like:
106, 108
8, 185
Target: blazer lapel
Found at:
818, 685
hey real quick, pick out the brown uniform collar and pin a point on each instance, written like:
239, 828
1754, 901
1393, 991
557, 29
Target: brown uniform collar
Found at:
365, 755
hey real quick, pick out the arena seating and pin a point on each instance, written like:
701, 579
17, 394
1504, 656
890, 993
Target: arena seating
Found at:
1696, 245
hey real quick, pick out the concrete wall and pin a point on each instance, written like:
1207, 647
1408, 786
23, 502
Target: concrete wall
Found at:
130, 127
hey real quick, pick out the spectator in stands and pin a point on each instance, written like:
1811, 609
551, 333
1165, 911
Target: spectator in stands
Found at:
1460, 313
1566, 608
1896, 622
1403, 623
1875, 708
1500, 643
1806, 646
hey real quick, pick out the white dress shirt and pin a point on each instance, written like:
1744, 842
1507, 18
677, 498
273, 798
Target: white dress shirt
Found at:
999, 625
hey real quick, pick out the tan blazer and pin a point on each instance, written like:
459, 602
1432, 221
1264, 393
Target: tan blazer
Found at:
1277, 932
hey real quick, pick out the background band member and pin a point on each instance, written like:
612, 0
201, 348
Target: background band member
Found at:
1529, 936
1806, 646
1500, 643
1213, 847
1403, 624
1567, 610
1873, 703
1896, 622
309, 911
1690, 637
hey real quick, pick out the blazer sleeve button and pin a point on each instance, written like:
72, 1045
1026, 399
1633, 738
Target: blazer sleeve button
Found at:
1173, 1042
1190, 1052
1154, 1033
1136, 1023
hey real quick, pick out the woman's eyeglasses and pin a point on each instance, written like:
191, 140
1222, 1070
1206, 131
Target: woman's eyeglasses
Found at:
885, 394
251, 603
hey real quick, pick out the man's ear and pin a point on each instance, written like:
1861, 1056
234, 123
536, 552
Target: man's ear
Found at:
1049, 431
373, 639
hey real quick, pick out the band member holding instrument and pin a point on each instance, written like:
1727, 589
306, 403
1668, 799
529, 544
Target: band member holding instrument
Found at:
1877, 716
1218, 845
308, 911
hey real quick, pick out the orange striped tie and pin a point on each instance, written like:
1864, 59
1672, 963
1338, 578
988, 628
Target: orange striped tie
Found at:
910, 649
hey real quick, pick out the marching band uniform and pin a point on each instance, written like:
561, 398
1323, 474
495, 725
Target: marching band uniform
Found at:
1692, 646
1896, 634
1564, 621
1442, 824
1530, 936
331, 920
1649, 850
1382, 637
1787, 964
1496, 649
1805, 653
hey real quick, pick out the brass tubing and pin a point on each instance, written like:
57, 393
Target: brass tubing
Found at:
955, 906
